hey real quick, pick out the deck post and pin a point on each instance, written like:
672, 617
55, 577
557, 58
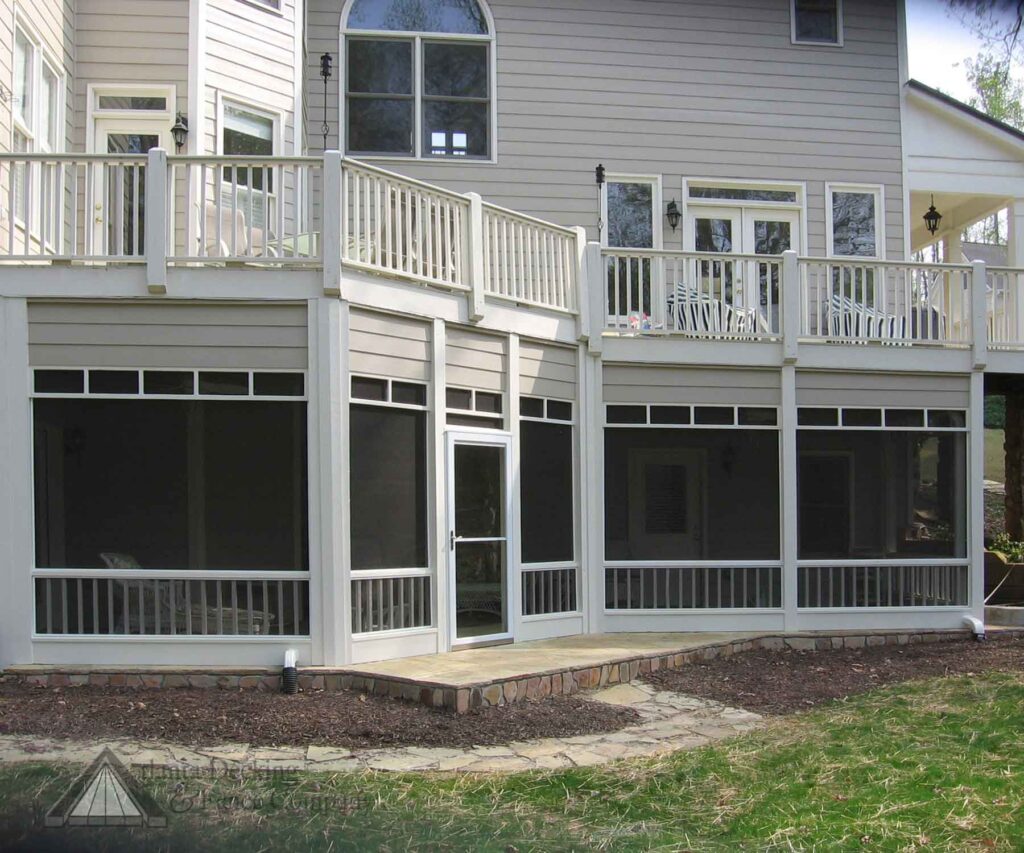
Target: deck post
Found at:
475, 256
156, 224
790, 306
979, 315
595, 290
438, 475
331, 240
788, 469
583, 329
16, 610
976, 493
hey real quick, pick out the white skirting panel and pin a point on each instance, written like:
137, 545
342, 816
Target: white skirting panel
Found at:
162, 651
866, 619
397, 644
732, 620
545, 627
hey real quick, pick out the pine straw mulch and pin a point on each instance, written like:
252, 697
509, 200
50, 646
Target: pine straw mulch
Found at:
782, 682
345, 718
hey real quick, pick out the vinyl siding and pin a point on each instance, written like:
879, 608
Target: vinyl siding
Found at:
814, 388
129, 41
547, 371
186, 336
473, 360
642, 384
250, 56
684, 89
389, 346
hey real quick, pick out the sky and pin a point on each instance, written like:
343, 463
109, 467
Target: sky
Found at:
938, 45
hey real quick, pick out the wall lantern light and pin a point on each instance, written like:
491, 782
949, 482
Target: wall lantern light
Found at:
179, 131
932, 218
673, 214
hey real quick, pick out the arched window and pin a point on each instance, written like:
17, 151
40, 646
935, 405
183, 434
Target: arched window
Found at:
418, 78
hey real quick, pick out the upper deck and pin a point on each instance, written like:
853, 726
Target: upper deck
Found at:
345, 223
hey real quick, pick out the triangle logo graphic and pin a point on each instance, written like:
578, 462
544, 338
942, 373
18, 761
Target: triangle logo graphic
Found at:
106, 794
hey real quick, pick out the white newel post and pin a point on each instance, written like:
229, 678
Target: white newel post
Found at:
16, 556
331, 241
979, 315
790, 320
156, 223
788, 469
596, 295
583, 329
475, 257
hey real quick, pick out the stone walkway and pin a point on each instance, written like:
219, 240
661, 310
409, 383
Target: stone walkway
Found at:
669, 722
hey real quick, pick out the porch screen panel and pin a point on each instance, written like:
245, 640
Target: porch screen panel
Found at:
388, 488
166, 484
882, 494
701, 494
546, 486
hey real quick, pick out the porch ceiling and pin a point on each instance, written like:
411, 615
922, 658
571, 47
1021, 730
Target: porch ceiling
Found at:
959, 210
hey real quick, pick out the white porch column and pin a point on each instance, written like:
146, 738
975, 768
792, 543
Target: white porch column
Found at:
953, 248
16, 533
787, 477
1015, 258
330, 575
592, 437
437, 500
976, 487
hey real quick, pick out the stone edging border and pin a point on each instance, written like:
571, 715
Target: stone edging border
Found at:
464, 697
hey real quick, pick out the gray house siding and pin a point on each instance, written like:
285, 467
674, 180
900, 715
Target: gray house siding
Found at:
684, 89
632, 383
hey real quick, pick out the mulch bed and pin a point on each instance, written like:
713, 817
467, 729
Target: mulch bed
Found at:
348, 719
781, 682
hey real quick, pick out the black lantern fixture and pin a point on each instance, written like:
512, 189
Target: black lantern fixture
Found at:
673, 214
599, 176
179, 131
325, 72
932, 218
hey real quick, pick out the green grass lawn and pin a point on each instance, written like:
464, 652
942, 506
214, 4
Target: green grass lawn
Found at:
994, 469
936, 764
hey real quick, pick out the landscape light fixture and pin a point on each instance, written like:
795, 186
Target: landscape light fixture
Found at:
325, 73
179, 131
932, 218
673, 214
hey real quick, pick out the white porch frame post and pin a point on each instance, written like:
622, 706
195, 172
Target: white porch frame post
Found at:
979, 315
1015, 258
790, 299
16, 608
593, 419
156, 223
976, 502
438, 476
475, 257
317, 564
515, 531
596, 296
332, 377
788, 469
331, 238
587, 488
583, 329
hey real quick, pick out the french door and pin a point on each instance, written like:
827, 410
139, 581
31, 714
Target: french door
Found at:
119, 190
479, 537
725, 230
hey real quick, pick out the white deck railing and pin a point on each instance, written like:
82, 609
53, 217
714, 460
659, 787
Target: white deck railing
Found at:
891, 302
693, 293
844, 584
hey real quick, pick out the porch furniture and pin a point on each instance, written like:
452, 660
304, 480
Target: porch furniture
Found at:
695, 311
851, 319
151, 603
234, 235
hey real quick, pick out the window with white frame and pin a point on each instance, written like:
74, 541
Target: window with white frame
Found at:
630, 205
817, 22
248, 132
418, 79
855, 221
36, 117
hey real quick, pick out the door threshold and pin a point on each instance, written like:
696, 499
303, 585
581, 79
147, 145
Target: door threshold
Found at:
480, 644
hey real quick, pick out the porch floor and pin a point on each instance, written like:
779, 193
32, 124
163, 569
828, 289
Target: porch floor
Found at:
469, 667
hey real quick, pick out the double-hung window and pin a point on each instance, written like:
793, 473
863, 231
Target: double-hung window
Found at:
36, 113
247, 132
631, 215
419, 83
